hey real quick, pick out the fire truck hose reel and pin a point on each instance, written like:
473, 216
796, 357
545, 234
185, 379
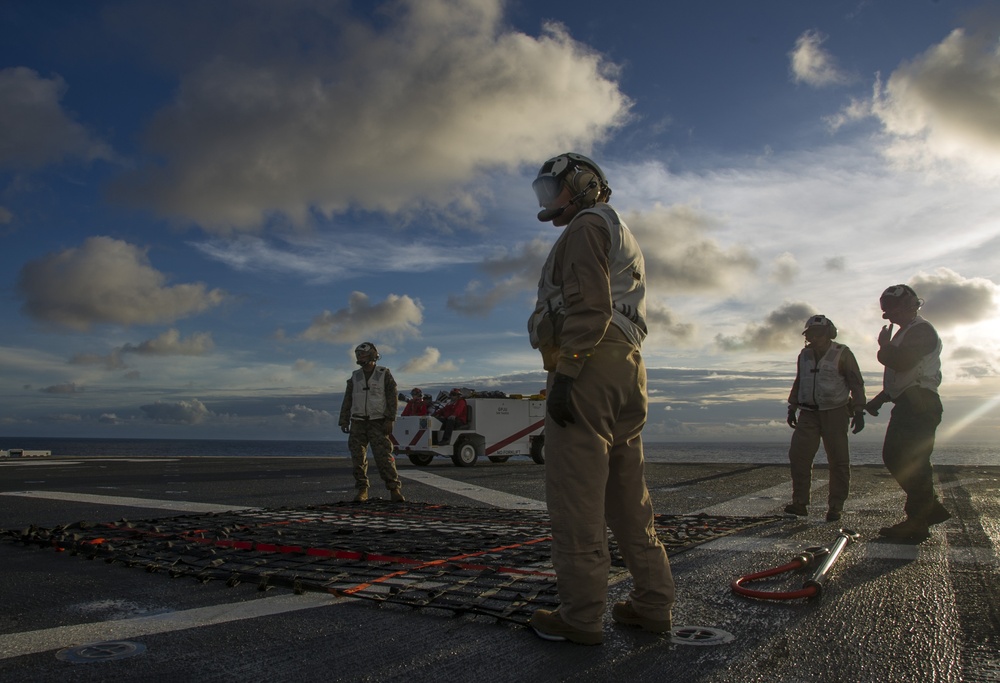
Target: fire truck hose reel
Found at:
821, 558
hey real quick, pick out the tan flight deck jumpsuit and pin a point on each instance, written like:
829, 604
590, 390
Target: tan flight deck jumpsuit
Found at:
826, 391
594, 468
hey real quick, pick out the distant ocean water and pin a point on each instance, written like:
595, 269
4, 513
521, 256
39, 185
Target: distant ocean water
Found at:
862, 453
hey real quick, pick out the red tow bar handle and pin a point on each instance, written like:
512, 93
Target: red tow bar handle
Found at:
818, 577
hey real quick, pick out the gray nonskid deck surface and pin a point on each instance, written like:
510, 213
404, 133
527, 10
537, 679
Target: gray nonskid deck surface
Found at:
890, 611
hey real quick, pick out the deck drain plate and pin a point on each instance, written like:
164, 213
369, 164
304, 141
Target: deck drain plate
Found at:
700, 635
101, 652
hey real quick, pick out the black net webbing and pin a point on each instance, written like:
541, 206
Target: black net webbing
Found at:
466, 560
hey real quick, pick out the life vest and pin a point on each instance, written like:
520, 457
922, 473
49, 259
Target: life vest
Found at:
925, 374
368, 397
821, 386
628, 284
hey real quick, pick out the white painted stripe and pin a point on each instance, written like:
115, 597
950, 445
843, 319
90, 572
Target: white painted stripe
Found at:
764, 502
38, 463
498, 499
181, 505
31, 642
882, 550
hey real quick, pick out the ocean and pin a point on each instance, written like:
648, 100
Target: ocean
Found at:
862, 453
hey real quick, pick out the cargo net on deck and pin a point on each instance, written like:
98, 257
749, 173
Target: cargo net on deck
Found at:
465, 560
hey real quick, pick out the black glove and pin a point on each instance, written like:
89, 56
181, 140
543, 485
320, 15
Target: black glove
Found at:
858, 421
345, 429
558, 401
792, 420
873, 406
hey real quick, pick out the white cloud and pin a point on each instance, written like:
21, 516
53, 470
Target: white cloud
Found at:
939, 110
429, 362
180, 412
395, 317
34, 128
784, 268
106, 281
170, 343
391, 118
812, 65
325, 258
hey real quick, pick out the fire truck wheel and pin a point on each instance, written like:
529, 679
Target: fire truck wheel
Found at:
421, 459
538, 449
466, 454
499, 458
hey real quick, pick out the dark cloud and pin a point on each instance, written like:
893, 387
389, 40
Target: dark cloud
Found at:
106, 281
950, 299
680, 255
69, 388
782, 329
660, 319
34, 128
395, 316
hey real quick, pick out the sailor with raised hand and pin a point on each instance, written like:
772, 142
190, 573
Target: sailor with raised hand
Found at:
912, 360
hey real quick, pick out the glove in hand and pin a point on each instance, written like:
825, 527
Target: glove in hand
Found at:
345, 430
558, 403
792, 420
858, 422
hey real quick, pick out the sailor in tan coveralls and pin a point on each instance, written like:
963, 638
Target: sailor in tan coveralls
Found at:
588, 324
367, 414
828, 394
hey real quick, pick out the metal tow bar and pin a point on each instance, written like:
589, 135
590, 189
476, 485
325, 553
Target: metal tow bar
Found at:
822, 558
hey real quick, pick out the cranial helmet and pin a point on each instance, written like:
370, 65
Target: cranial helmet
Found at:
824, 322
365, 353
416, 392
585, 179
899, 296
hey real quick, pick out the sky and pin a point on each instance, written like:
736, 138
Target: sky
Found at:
205, 206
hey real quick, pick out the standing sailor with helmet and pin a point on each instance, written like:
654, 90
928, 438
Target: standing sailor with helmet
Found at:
912, 360
828, 393
589, 324
367, 414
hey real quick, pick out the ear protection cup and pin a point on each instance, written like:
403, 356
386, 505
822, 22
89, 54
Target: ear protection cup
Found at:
583, 181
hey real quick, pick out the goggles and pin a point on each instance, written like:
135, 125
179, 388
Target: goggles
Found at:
547, 188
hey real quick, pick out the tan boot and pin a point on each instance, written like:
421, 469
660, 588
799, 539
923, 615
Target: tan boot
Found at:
361, 496
397, 495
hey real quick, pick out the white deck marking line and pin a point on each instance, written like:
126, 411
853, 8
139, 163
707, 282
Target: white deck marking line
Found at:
759, 502
32, 642
29, 462
498, 499
886, 550
182, 505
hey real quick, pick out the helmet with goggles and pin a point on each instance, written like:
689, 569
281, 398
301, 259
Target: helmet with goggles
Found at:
584, 178
365, 353
899, 297
822, 322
